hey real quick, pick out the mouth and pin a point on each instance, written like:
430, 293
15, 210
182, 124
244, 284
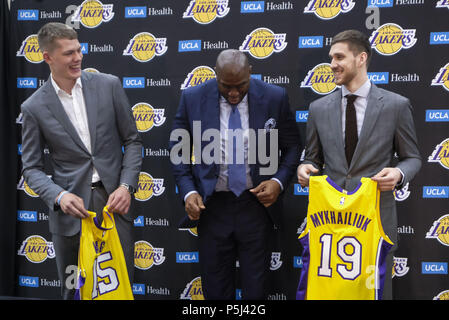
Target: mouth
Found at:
75, 68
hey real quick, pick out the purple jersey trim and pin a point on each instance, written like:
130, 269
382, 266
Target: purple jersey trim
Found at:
384, 248
336, 186
302, 286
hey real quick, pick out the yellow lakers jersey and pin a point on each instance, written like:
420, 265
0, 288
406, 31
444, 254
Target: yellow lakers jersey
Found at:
344, 244
102, 273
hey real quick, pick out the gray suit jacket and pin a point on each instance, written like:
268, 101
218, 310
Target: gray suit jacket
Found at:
111, 127
387, 128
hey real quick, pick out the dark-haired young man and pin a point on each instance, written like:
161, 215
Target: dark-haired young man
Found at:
382, 125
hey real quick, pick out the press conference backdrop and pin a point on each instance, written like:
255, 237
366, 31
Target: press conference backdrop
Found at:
159, 48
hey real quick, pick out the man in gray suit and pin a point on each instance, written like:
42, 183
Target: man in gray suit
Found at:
84, 119
382, 125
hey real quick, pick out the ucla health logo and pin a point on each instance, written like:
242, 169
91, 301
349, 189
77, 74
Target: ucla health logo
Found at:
197, 76
441, 154
144, 46
206, 11
329, 9
262, 42
440, 230
91, 13
320, 79
400, 267
148, 187
146, 256
147, 117
193, 290
390, 38
30, 50
36, 249
442, 78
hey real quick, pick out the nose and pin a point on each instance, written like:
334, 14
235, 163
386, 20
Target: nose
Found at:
233, 92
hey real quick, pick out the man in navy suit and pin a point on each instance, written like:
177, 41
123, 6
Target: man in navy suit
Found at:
236, 198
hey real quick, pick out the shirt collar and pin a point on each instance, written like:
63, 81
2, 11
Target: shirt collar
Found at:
363, 91
58, 89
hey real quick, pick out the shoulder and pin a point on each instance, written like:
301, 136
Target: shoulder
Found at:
37, 98
201, 89
260, 85
325, 102
99, 77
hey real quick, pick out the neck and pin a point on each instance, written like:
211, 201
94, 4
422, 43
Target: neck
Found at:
357, 82
65, 84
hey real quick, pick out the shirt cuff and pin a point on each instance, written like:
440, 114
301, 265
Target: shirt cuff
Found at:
188, 194
280, 183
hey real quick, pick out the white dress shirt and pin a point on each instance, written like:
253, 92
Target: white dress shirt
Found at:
75, 109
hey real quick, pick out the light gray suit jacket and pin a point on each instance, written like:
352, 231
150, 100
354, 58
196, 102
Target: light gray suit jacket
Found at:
388, 128
111, 127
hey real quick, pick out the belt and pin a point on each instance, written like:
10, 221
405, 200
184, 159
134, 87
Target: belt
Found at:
97, 184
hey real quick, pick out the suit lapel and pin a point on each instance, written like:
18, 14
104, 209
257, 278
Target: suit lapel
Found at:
334, 118
210, 108
254, 104
55, 106
373, 108
90, 101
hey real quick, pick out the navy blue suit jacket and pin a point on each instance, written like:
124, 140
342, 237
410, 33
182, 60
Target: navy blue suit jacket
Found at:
265, 101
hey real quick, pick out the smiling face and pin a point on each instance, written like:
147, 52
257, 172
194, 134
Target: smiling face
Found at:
65, 60
348, 66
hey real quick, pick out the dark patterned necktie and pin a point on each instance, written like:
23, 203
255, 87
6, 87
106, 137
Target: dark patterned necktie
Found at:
236, 171
351, 136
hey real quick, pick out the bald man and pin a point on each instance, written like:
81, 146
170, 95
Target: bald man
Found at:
236, 199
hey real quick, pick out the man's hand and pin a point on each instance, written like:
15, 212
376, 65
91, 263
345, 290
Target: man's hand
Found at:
304, 171
194, 206
73, 205
387, 179
119, 201
267, 192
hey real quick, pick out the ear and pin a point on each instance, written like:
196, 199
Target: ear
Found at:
363, 58
47, 57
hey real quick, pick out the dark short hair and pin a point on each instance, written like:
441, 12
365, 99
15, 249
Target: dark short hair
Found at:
53, 31
357, 42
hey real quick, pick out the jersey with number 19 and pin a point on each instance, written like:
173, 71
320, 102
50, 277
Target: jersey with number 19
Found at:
344, 244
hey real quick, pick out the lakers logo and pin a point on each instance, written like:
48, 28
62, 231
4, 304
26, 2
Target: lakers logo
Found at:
192, 231
198, 76
145, 255
193, 290
441, 154
444, 295
206, 11
329, 9
442, 4
149, 187
400, 267
147, 117
402, 194
30, 50
440, 230
320, 79
91, 13
23, 185
262, 42
390, 38
442, 78
143, 47
36, 249
93, 70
